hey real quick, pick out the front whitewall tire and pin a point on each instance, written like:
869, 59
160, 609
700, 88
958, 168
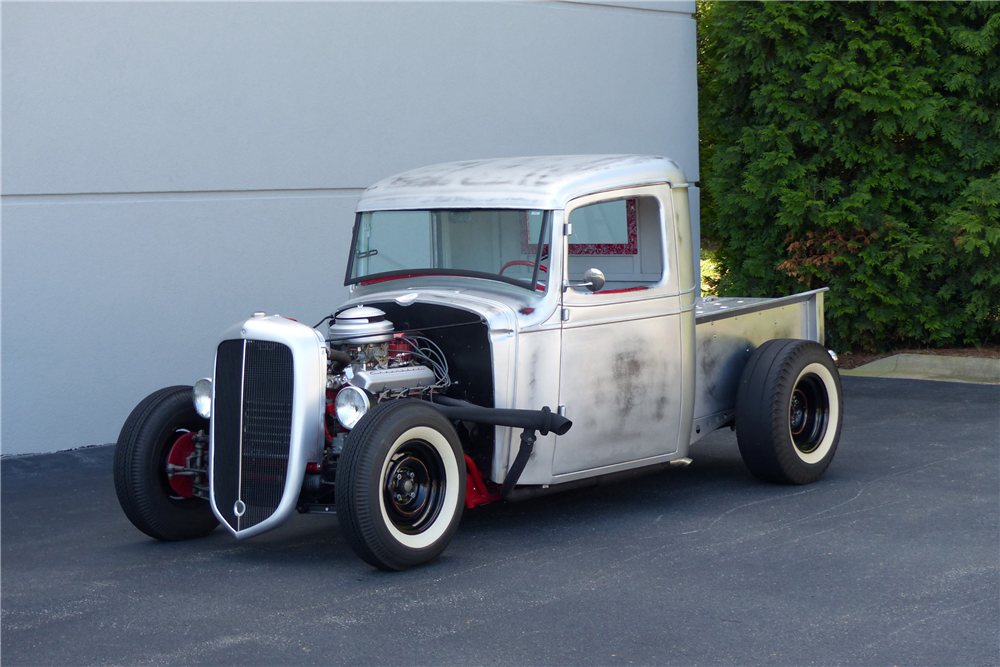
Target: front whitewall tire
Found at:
440, 524
400, 485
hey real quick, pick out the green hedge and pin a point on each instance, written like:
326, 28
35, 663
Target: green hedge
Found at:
856, 146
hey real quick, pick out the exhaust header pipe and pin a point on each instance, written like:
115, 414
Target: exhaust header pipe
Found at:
543, 421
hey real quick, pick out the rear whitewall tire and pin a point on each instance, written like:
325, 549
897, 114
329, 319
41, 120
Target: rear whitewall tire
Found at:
830, 434
789, 410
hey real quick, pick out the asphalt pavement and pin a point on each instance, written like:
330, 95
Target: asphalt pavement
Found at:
891, 559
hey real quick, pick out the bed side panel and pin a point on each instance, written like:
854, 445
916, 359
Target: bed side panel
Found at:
725, 340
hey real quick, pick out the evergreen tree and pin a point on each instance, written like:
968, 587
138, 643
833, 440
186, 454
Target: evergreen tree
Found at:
856, 146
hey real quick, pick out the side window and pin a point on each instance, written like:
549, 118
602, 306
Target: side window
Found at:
608, 228
622, 238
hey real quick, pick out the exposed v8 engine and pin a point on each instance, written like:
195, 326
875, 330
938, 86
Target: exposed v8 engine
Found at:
376, 359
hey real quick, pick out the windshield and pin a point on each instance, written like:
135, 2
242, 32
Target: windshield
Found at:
501, 244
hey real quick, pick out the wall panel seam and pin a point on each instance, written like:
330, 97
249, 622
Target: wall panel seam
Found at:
207, 195
667, 13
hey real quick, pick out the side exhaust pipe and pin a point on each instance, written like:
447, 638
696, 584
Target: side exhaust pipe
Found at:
542, 421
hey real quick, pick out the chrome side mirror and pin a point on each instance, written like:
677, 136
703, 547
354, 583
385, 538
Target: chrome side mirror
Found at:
593, 280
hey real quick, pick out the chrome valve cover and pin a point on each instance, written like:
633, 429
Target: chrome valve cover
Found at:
402, 377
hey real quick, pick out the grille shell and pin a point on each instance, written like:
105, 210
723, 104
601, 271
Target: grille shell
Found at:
254, 389
267, 421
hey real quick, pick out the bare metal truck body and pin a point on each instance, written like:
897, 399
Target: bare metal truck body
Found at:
514, 327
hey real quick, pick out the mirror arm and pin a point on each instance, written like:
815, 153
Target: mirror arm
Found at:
595, 281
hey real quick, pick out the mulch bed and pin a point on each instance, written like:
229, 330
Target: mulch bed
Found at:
854, 359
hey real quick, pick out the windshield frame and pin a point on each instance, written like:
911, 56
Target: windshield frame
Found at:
543, 243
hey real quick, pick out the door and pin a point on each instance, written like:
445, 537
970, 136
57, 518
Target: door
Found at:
620, 366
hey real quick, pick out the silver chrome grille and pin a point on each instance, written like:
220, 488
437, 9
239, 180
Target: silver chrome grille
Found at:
252, 415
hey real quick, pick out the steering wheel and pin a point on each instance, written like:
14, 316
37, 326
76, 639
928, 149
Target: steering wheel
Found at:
521, 262
524, 262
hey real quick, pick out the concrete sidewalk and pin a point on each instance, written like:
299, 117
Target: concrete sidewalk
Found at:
942, 368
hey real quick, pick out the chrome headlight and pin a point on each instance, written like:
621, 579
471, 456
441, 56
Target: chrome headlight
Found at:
351, 405
203, 397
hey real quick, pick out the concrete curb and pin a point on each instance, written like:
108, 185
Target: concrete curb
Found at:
931, 367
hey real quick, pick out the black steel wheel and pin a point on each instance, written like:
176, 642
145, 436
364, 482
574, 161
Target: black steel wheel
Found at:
161, 425
789, 411
413, 489
400, 485
809, 413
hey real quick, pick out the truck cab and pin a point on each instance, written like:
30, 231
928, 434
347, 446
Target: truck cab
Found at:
611, 357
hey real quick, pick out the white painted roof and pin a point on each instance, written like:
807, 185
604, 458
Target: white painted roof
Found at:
530, 182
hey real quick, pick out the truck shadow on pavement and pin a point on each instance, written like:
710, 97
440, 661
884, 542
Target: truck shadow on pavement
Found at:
666, 498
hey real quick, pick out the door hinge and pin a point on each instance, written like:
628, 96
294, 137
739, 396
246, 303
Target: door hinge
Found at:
568, 229
565, 314
561, 410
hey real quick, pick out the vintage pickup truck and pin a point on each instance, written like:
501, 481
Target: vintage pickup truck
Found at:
515, 327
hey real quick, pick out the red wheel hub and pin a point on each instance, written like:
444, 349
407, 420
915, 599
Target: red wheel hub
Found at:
183, 485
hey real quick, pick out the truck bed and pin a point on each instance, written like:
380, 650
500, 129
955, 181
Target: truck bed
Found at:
727, 331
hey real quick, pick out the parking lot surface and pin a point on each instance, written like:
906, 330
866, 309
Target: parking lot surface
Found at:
891, 558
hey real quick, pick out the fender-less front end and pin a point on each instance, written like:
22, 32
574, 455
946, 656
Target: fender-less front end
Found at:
266, 423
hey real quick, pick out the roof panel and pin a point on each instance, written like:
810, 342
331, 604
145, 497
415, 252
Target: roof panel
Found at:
546, 182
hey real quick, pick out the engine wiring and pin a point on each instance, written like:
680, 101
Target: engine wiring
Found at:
428, 352
318, 324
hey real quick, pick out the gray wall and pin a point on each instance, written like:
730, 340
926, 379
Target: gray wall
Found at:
169, 168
